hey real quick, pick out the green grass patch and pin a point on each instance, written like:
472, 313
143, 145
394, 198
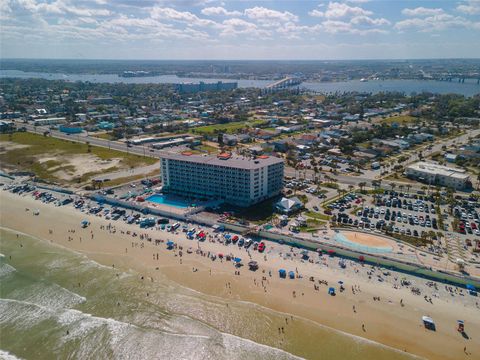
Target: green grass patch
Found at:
228, 128
105, 136
317, 215
415, 241
26, 158
312, 225
207, 148
401, 120
330, 185
303, 198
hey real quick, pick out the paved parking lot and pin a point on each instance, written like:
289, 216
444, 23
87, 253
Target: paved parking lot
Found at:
416, 216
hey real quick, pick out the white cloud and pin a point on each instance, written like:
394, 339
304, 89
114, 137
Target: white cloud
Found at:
316, 13
342, 18
422, 11
336, 26
61, 7
5, 7
365, 20
269, 17
471, 7
236, 26
180, 16
337, 10
436, 23
219, 11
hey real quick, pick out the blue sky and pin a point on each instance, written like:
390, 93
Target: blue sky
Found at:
210, 29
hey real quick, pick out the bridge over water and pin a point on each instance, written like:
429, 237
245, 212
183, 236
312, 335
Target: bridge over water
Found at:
283, 83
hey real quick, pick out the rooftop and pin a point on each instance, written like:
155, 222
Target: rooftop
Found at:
439, 170
233, 160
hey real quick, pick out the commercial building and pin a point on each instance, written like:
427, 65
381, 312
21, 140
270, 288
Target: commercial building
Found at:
49, 121
6, 126
175, 142
237, 180
70, 129
435, 174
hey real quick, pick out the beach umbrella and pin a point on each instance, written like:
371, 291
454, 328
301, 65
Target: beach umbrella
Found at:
470, 287
282, 273
340, 282
237, 260
170, 243
361, 258
220, 255
291, 275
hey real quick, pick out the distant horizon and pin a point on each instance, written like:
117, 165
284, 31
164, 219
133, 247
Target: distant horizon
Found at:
206, 59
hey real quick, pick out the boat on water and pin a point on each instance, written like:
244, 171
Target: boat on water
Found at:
363, 80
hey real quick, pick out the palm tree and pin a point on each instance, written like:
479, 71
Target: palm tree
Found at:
409, 187
439, 235
401, 188
362, 185
393, 186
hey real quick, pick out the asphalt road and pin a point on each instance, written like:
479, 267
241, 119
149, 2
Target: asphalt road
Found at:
94, 141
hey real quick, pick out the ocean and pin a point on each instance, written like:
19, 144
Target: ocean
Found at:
59, 304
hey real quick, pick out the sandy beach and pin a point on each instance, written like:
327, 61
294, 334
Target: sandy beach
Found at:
381, 311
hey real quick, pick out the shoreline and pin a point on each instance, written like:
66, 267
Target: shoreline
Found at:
260, 307
274, 295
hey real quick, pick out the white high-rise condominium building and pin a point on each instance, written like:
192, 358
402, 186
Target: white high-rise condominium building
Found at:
237, 180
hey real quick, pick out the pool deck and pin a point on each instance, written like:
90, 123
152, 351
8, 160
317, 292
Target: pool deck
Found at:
170, 201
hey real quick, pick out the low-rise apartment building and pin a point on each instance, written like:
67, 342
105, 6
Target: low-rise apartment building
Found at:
435, 174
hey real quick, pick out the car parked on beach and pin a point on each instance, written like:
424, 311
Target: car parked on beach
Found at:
261, 247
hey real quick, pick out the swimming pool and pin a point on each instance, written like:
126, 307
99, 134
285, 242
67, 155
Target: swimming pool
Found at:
167, 200
370, 249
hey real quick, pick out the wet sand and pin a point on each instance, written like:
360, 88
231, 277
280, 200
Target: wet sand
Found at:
352, 311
